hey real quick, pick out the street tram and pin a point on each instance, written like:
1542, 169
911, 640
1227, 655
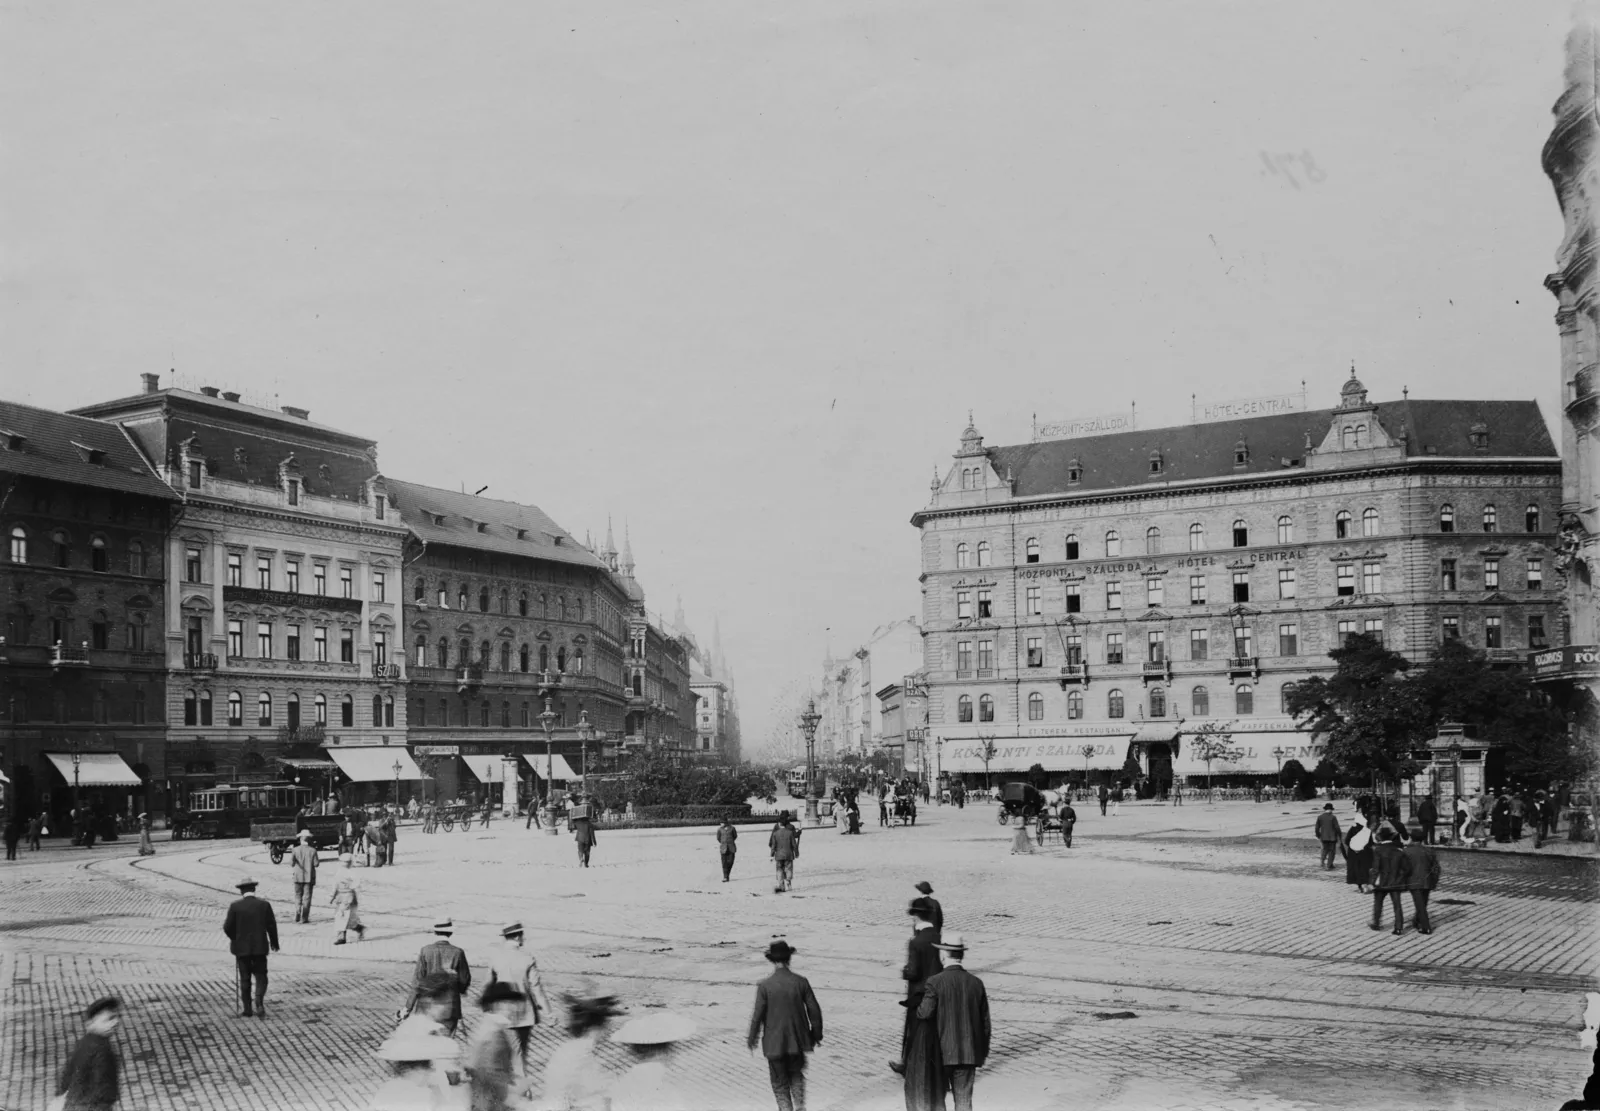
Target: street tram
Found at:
227, 811
796, 782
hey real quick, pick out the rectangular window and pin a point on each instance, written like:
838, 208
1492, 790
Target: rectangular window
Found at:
963, 605
194, 474
235, 639
963, 657
235, 570
294, 491
1372, 578
1197, 590
263, 572
1072, 548
291, 642
1113, 595
1113, 648
1156, 646
985, 656
319, 578
291, 574
1243, 644
205, 707
264, 639
1447, 574
1373, 627
380, 648
191, 565
1155, 594
378, 506
1075, 649
1288, 640
1034, 608
1074, 599
1536, 631
1452, 628
1035, 708
347, 585
1347, 628
319, 644
1241, 586
1199, 644
191, 715
1035, 652
1491, 574
1491, 632
347, 713
1535, 574
985, 606
347, 646
1345, 579
136, 637
1286, 583
380, 587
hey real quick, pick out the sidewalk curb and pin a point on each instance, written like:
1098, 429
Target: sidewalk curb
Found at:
1586, 855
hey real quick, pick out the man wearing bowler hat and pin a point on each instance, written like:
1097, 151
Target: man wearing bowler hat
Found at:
1329, 832
788, 1024
440, 956
958, 1003
252, 929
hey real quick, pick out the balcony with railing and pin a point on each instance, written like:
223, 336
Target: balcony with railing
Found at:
62, 655
1244, 665
1074, 673
199, 661
1156, 669
469, 677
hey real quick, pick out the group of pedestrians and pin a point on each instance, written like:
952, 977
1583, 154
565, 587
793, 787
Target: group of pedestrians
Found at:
1503, 816
1394, 858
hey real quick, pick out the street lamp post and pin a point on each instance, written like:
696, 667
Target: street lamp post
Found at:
397, 771
1278, 754
77, 815
585, 735
808, 722
1455, 768
548, 720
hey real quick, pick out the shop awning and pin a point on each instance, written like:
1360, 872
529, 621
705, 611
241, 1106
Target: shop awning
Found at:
1018, 754
486, 769
375, 765
1157, 732
308, 765
96, 769
1257, 753
562, 772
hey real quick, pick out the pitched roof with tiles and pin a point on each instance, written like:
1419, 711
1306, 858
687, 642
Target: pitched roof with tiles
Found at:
1197, 452
487, 524
43, 443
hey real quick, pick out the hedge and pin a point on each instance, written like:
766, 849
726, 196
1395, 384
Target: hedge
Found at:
693, 813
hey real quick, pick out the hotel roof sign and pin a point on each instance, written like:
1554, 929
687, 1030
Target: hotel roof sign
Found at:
1084, 426
1205, 412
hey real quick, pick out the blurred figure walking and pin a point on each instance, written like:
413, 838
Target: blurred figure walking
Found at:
91, 1077
346, 901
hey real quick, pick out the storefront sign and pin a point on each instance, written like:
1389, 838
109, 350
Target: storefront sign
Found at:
286, 598
1570, 661
1249, 407
437, 750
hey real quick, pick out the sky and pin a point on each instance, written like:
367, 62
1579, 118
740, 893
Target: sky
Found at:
735, 273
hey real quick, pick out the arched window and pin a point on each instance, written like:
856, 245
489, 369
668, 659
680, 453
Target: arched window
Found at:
205, 707
1152, 541
505, 601
1036, 707
291, 707
577, 662
98, 555
461, 597
191, 709
484, 658
964, 708
1284, 695
464, 653
419, 590
561, 606
578, 605
1285, 530
1114, 704
1530, 520
1200, 702
135, 558
320, 705
1341, 525
505, 655
388, 710
19, 544
1158, 702
561, 658
1244, 699
522, 658
1072, 546
1113, 543
1347, 437
1155, 462
983, 553
483, 599
1491, 518
544, 657
421, 657
505, 715
377, 710
63, 548
1369, 522
963, 556
1447, 518
444, 652
347, 712
264, 708
1197, 537
235, 708
522, 604
1361, 436
1241, 534
1074, 706
985, 708
1032, 549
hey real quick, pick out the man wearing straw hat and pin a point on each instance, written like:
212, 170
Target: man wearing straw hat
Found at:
252, 929
303, 866
510, 963
788, 1024
959, 1004
441, 956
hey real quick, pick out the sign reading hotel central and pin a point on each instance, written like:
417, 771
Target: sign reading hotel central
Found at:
1249, 407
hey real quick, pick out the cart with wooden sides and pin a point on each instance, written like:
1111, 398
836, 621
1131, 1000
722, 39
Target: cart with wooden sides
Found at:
281, 836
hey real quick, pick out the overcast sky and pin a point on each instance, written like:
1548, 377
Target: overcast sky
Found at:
734, 272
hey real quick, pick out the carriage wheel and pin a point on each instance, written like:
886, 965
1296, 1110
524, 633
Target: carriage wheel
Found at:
1005, 817
276, 852
466, 822
449, 823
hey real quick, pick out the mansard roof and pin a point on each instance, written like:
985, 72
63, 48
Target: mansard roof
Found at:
43, 443
441, 516
1274, 444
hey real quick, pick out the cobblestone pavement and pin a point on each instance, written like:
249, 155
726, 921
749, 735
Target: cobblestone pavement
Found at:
1173, 958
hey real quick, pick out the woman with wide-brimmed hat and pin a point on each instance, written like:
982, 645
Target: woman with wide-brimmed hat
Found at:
418, 1083
347, 901
573, 1077
145, 847
648, 1085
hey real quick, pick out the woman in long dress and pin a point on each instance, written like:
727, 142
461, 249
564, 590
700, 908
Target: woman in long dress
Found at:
1357, 849
347, 901
574, 1079
145, 847
1021, 842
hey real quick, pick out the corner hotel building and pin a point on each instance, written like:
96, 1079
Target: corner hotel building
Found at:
1085, 597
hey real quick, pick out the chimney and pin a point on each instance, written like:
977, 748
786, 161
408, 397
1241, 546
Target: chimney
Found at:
303, 414
230, 397
209, 391
152, 382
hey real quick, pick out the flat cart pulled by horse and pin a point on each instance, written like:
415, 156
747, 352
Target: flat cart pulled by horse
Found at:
1020, 800
281, 837
904, 811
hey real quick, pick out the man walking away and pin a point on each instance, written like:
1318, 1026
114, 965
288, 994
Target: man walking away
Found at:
788, 1024
1105, 795
511, 964
785, 846
13, 836
1069, 818
390, 835
1391, 873
883, 806
1328, 832
35, 829
727, 846
252, 929
1544, 820
959, 1003
304, 866
581, 824
89, 1079
1427, 817
1424, 878
441, 956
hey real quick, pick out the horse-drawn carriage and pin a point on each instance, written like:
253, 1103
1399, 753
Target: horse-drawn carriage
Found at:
904, 810
1020, 800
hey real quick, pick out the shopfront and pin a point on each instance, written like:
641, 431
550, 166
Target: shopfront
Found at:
377, 774
1075, 758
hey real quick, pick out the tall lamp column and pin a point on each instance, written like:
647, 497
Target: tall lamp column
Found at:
808, 723
548, 720
585, 735
397, 771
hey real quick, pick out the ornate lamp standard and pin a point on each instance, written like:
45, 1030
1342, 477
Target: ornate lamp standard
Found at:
397, 770
77, 815
585, 735
808, 723
1455, 767
549, 684
1278, 754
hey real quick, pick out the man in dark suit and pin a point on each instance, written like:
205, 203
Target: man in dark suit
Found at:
441, 957
1423, 879
251, 928
957, 1000
788, 1024
1427, 817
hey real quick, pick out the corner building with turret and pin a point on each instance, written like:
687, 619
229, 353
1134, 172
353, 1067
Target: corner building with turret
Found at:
1092, 598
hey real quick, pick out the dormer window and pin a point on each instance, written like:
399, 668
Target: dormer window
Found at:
1155, 462
1480, 437
294, 491
1241, 454
522, 534
93, 455
378, 506
14, 441
438, 519
1075, 471
482, 527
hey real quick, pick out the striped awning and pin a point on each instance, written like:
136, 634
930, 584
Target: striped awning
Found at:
95, 769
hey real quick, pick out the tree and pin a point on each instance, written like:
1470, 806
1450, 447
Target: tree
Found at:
987, 753
1214, 741
1130, 767
1371, 716
1038, 776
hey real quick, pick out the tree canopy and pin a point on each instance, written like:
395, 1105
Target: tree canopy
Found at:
1370, 715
